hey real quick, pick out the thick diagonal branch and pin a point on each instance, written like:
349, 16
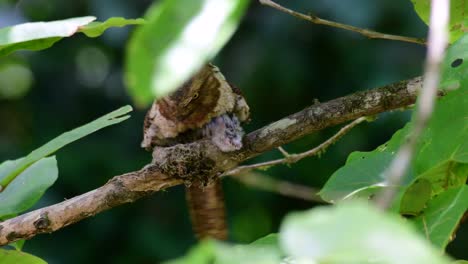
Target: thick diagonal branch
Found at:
174, 165
119, 190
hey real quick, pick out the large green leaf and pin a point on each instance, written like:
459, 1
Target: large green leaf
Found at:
178, 38
18, 257
455, 65
203, 253
212, 252
441, 159
442, 216
442, 150
42, 35
28, 187
458, 20
268, 240
354, 233
361, 176
17, 167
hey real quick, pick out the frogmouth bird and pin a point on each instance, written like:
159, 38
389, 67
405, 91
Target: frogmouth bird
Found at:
204, 107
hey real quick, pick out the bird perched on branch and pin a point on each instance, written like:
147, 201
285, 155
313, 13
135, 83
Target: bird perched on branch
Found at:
204, 107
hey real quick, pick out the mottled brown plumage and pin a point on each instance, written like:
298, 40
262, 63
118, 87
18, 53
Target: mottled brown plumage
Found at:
177, 117
206, 106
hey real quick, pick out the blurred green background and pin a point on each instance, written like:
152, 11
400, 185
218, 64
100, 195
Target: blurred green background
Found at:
282, 64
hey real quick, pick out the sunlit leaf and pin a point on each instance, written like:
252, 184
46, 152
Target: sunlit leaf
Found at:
363, 171
200, 254
42, 35
458, 20
178, 38
95, 29
18, 257
269, 240
213, 252
440, 163
441, 155
442, 215
455, 65
28, 187
354, 233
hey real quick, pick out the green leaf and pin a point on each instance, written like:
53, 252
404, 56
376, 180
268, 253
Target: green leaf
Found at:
440, 165
354, 232
442, 215
18, 245
268, 240
178, 38
362, 174
95, 29
38, 35
415, 198
42, 35
455, 65
28, 187
254, 254
18, 257
200, 254
458, 20
213, 252
19, 166
441, 156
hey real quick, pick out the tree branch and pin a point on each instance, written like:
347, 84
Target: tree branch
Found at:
365, 32
174, 165
292, 158
121, 189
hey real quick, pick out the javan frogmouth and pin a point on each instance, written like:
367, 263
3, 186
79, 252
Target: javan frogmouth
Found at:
206, 106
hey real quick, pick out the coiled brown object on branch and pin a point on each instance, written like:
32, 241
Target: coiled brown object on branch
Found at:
206, 106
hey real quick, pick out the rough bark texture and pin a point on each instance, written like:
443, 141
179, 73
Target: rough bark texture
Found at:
174, 165
119, 190
337, 111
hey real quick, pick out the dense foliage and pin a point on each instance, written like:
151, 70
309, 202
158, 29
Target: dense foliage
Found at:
164, 51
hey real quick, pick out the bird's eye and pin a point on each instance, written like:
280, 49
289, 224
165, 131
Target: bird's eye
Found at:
195, 96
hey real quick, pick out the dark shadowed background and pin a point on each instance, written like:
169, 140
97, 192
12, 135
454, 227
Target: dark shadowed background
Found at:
282, 64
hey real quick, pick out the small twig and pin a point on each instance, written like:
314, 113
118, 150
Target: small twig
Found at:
293, 158
283, 151
438, 40
284, 188
365, 32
